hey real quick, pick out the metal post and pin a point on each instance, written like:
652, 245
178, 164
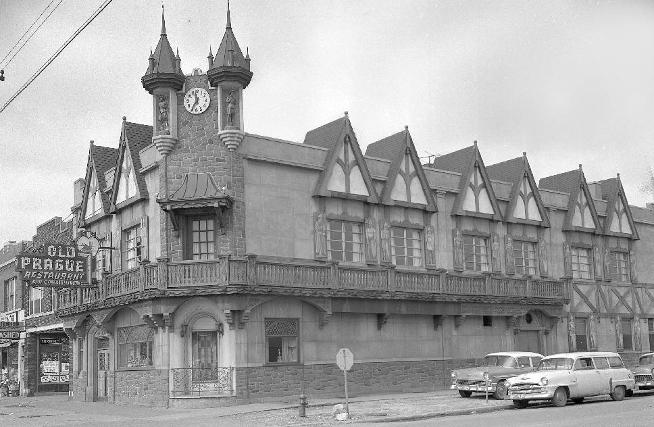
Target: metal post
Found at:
486, 385
347, 402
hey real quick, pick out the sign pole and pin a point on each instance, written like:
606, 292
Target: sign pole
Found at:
347, 401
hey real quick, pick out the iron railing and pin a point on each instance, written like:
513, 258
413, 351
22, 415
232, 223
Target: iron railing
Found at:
216, 381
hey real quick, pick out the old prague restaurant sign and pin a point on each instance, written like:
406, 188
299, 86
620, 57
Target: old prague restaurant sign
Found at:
61, 266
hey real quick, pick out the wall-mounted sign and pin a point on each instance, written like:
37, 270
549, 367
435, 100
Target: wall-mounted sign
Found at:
9, 335
10, 331
60, 266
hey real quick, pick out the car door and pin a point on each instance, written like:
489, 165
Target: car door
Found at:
602, 365
588, 379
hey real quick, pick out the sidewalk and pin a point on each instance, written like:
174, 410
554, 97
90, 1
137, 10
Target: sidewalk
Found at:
58, 410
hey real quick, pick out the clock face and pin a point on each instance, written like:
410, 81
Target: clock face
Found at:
196, 100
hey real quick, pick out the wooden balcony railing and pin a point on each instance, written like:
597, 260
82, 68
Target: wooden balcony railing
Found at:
252, 273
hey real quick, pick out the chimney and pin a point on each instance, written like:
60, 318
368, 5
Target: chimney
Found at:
595, 190
78, 191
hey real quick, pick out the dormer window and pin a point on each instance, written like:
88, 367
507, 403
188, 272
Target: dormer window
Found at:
526, 206
93, 200
477, 198
127, 182
582, 214
620, 222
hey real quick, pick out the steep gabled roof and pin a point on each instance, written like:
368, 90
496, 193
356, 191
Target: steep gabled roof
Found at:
133, 137
397, 148
100, 160
465, 161
613, 193
573, 182
513, 171
164, 67
334, 136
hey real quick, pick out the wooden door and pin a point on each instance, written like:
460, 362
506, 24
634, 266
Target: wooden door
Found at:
528, 341
103, 365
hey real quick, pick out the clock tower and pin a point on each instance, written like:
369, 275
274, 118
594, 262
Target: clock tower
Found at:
229, 72
162, 80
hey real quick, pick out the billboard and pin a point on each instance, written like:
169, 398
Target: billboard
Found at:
59, 266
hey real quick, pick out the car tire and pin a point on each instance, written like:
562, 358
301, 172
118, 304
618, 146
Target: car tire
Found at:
560, 397
629, 393
465, 393
500, 390
520, 404
618, 393
578, 399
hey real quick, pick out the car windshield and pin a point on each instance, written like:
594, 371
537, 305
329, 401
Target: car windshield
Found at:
504, 361
646, 360
555, 363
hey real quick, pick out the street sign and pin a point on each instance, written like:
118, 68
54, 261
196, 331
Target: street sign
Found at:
344, 359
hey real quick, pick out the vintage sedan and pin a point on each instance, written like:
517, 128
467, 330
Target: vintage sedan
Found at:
572, 376
498, 367
643, 373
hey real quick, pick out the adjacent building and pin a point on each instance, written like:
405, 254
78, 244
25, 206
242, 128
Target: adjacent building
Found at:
234, 266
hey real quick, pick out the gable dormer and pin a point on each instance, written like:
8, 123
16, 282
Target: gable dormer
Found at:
525, 205
581, 215
406, 183
345, 173
476, 196
619, 221
129, 184
95, 200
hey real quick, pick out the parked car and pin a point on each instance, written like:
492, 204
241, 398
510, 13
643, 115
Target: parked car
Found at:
499, 367
643, 372
572, 376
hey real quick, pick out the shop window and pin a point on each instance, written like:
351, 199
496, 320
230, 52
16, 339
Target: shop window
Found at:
475, 252
619, 262
581, 337
54, 362
406, 246
35, 300
487, 320
581, 263
131, 248
524, 256
345, 240
10, 300
135, 346
200, 239
627, 342
282, 336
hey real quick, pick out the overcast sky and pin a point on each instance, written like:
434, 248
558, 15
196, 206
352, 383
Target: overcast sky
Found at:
568, 82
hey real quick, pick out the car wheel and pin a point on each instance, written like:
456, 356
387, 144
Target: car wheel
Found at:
520, 404
578, 399
629, 393
500, 391
618, 393
560, 397
465, 393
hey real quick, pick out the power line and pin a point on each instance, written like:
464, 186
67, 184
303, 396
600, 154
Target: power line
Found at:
102, 7
34, 32
26, 31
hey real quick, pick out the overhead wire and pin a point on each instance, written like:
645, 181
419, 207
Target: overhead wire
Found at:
26, 31
34, 32
102, 7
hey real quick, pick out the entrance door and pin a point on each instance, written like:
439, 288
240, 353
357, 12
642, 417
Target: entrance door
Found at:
528, 341
103, 364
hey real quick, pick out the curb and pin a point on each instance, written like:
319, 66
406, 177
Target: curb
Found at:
437, 415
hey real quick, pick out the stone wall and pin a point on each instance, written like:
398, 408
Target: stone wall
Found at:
144, 387
31, 365
364, 378
78, 386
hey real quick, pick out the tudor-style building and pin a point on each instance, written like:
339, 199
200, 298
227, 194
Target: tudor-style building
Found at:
234, 265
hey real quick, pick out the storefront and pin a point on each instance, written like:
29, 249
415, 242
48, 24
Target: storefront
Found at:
9, 338
53, 355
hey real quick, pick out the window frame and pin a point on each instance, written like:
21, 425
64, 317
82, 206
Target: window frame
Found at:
188, 251
519, 254
576, 262
405, 246
343, 242
10, 298
32, 302
297, 338
485, 266
584, 335
125, 249
620, 268
119, 349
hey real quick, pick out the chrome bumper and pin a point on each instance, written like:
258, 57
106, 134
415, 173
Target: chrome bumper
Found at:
480, 388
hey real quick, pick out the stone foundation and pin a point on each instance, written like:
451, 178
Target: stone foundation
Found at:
144, 387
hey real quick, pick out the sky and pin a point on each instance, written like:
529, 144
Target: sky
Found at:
569, 82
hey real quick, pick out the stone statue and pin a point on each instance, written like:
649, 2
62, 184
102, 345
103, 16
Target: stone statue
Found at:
430, 246
495, 252
543, 261
572, 334
632, 267
636, 334
371, 239
320, 236
597, 261
607, 264
619, 343
592, 337
386, 242
231, 108
508, 252
163, 115
458, 249
567, 260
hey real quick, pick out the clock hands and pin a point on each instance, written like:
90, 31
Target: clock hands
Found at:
197, 99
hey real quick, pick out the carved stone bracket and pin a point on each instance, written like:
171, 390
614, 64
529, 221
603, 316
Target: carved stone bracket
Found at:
458, 321
243, 318
438, 321
168, 320
70, 332
229, 318
323, 318
382, 318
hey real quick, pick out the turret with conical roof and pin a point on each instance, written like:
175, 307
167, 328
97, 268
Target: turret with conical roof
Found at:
162, 80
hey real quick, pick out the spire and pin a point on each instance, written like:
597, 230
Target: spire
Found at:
164, 68
229, 19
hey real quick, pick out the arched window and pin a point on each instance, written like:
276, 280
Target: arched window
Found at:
204, 343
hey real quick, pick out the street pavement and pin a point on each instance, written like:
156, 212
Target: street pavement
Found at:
415, 409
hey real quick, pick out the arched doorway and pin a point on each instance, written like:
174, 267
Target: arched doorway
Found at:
531, 331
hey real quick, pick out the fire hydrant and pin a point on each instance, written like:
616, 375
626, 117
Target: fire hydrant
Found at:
303, 405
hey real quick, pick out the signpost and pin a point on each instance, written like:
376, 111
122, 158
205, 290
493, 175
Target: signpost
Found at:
59, 266
345, 360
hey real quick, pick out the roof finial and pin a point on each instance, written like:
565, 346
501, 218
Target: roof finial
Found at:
618, 176
474, 142
579, 166
93, 142
229, 19
124, 118
345, 114
163, 21
406, 127
524, 154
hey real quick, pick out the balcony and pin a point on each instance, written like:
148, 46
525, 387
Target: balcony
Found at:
252, 275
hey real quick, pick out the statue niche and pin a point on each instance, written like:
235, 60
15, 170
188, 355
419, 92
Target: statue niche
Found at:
162, 115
